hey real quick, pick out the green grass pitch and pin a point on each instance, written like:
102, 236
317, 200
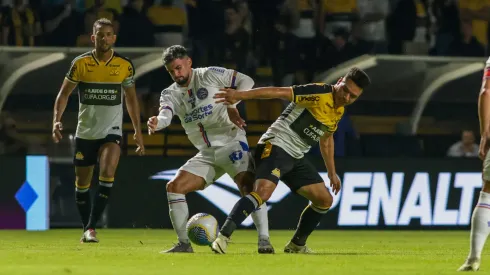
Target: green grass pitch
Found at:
135, 251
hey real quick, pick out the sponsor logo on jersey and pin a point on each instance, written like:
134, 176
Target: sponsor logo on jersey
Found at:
199, 113
311, 98
114, 65
202, 93
217, 69
100, 94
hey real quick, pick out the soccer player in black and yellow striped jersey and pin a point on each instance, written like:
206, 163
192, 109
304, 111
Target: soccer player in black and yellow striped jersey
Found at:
103, 78
311, 118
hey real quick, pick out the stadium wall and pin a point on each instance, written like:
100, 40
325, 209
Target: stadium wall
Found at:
376, 194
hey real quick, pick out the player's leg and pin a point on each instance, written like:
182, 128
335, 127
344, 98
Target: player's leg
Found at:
84, 160
83, 179
193, 176
306, 181
109, 153
480, 223
270, 161
245, 182
236, 160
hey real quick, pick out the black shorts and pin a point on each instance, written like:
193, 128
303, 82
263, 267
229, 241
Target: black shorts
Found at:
274, 164
87, 151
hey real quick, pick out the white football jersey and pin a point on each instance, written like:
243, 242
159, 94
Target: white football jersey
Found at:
206, 123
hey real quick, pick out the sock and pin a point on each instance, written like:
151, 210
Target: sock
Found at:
242, 209
179, 214
308, 221
480, 225
82, 199
100, 201
261, 221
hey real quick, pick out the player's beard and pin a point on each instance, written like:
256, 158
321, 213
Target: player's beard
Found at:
104, 48
182, 81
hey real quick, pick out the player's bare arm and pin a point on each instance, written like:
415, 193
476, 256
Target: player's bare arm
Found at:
327, 150
134, 114
231, 96
59, 107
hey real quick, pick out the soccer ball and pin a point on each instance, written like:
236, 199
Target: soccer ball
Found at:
202, 229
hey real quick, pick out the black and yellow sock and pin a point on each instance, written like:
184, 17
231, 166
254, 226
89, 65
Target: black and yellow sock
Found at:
308, 221
82, 199
100, 201
244, 207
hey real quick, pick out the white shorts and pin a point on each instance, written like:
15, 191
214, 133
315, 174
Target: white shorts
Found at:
486, 167
212, 163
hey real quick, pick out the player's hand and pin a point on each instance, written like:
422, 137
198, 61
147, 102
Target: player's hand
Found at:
235, 117
484, 145
335, 183
152, 124
57, 128
138, 138
227, 97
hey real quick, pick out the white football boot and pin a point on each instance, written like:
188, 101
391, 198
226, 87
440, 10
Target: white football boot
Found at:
471, 264
220, 244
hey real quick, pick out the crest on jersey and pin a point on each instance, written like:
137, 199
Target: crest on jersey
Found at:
202, 93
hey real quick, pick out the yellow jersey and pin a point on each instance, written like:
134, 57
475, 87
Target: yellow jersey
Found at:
310, 115
100, 92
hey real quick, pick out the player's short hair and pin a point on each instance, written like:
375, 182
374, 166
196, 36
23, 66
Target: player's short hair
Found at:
174, 52
102, 22
359, 77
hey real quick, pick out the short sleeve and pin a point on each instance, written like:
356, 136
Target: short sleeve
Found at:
221, 77
129, 80
309, 94
73, 74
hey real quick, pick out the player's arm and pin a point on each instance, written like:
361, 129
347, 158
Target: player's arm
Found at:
294, 94
484, 113
327, 151
69, 84
133, 107
165, 115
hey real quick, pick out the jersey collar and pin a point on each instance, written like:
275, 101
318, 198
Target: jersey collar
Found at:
98, 62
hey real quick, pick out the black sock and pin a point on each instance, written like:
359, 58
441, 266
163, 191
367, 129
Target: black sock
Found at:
242, 209
308, 221
100, 202
82, 199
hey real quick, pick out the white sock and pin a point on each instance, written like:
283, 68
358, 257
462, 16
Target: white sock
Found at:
179, 214
480, 225
261, 221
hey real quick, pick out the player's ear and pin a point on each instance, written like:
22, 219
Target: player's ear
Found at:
115, 38
92, 38
189, 62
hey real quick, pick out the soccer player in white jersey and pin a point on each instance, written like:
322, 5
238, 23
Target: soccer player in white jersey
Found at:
480, 222
215, 130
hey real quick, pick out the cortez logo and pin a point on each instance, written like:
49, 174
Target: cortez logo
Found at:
225, 200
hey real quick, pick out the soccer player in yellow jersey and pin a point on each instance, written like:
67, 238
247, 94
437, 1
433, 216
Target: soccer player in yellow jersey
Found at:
102, 75
312, 117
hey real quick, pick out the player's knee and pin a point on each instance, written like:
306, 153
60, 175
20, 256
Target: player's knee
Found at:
82, 184
178, 187
264, 190
324, 202
486, 186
